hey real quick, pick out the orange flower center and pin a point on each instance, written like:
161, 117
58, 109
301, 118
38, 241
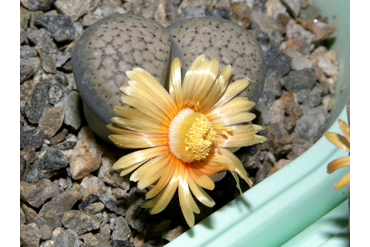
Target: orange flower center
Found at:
191, 136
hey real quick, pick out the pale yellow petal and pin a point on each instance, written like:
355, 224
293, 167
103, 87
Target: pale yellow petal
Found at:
241, 117
199, 79
150, 110
343, 182
235, 106
165, 196
241, 136
201, 179
150, 84
135, 115
128, 170
140, 125
139, 157
150, 172
185, 197
166, 178
200, 194
131, 139
345, 129
338, 163
175, 82
232, 91
234, 164
338, 140
218, 89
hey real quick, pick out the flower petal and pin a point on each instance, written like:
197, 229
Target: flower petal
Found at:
150, 84
140, 156
185, 197
241, 136
338, 163
217, 90
132, 139
151, 110
200, 194
150, 172
135, 115
137, 124
345, 129
199, 78
338, 140
234, 164
175, 82
241, 117
232, 91
235, 106
165, 196
343, 182
166, 178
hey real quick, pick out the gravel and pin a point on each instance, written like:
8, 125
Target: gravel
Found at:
69, 193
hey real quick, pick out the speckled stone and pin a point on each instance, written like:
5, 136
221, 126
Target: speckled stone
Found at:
36, 194
105, 51
79, 221
225, 41
37, 4
43, 39
39, 101
30, 235
59, 26
51, 120
76, 8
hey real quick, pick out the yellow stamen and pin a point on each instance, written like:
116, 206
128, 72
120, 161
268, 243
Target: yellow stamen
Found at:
191, 136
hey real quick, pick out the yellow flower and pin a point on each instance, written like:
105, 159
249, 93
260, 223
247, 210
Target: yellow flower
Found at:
187, 134
342, 142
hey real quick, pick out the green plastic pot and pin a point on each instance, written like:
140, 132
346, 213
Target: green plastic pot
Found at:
296, 206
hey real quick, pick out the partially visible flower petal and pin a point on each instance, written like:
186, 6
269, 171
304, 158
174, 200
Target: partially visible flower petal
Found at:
136, 124
345, 129
138, 157
131, 139
198, 80
151, 110
338, 140
135, 115
148, 83
240, 136
218, 89
175, 82
166, 178
343, 182
242, 117
338, 163
233, 107
232, 90
200, 194
185, 196
150, 172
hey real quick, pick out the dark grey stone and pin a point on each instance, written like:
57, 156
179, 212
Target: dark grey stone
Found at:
42, 39
122, 230
26, 72
46, 167
111, 203
51, 213
60, 26
278, 60
88, 201
135, 214
27, 52
32, 138
300, 79
36, 194
39, 101
120, 243
56, 93
38, 4
66, 145
80, 221
67, 238
313, 123
30, 235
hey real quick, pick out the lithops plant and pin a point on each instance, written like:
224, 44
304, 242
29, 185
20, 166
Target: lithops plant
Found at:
105, 51
116, 44
224, 41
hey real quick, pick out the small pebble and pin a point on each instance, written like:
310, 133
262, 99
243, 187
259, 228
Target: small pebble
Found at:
75, 8
32, 138
91, 185
89, 239
33, 5
51, 120
48, 63
30, 235
266, 23
29, 213
122, 230
67, 238
79, 221
86, 156
43, 40
301, 79
39, 100
37, 193
173, 233
278, 60
240, 14
294, 6
71, 104
60, 26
